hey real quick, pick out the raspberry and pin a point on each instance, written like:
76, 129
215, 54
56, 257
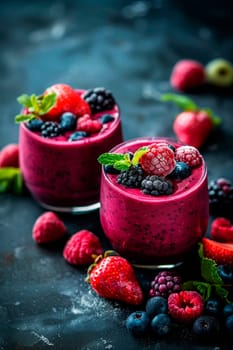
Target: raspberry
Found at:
48, 227
156, 186
165, 283
89, 125
9, 156
82, 248
99, 99
132, 177
158, 160
185, 306
50, 129
221, 197
189, 155
187, 74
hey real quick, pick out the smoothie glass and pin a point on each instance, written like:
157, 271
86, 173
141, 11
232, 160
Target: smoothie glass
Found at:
152, 231
65, 176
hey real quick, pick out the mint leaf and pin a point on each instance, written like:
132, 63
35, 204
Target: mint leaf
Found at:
24, 117
181, 101
122, 165
203, 288
138, 154
17, 183
209, 270
110, 158
222, 293
47, 102
11, 180
25, 100
4, 185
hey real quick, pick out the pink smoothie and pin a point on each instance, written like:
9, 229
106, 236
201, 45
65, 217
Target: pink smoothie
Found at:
62, 175
154, 230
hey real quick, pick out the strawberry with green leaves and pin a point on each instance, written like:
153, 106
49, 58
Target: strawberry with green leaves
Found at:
113, 277
56, 100
194, 124
221, 252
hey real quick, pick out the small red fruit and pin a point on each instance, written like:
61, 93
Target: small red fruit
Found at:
222, 253
185, 306
187, 74
189, 155
113, 277
48, 227
89, 125
222, 230
82, 248
9, 156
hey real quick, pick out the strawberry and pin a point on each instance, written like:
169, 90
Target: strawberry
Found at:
222, 253
222, 230
113, 277
9, 156
194, 124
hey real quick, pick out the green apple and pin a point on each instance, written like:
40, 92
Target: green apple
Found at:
219, 72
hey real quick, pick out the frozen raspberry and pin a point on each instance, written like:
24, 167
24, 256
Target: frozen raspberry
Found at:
187, 74
9, 156
185, 306
89, 125
82, 248
158, 160
165, 283
189, 155
48, 227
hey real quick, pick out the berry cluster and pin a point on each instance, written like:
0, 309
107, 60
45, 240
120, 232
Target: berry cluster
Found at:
221, 197
99, 99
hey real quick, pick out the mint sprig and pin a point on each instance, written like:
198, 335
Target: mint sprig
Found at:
11, 180
35, 105
211, 282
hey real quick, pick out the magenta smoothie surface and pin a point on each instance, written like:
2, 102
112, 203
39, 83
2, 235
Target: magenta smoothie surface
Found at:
65, 175
154, 230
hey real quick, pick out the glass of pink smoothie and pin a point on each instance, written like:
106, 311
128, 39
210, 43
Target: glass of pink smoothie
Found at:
154, 231
62, 175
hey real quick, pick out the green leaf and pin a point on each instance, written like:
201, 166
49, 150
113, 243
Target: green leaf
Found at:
122, 165
181, 101
17, 183
24, 117
25, 100
203, 288
110, 158
222, 293
215, 119
47, 102
209, 271
11, 180
4, 186
138, 154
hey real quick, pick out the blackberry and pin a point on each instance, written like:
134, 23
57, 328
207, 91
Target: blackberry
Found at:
99, 99
50, 129
165, 283
221, 197
156, 186
132, 177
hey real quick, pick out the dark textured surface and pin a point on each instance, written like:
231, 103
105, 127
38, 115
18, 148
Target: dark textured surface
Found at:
130, 48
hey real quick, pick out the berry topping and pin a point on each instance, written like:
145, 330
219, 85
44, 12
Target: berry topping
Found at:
82, 248
226, 273
9, 156
185, 306
221, 196
106, 118
219, 72
222, 253
156, 305
189, 155
99, 99
181, 171
48, 227
212, 307
78, 135
138, 323
222, 230
89, 125
131, 177
34, 124
158, 160
109, 169
161, 324
68, 121
205, 326
156, 186
50, 129
187, 74
165, 283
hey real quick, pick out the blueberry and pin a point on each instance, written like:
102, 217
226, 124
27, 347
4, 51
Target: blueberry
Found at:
34, 124
138, 323
212, 307
226, 273
106, 118
67, 121
227, 310
156, 305
161, 324
229, 324
181, 171
78, 135
206, 325
171, 147
110, 169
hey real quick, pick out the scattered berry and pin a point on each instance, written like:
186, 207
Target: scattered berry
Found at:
158, 160
78, 135
89, 125
48, 227
82, 248
222, 253
99, 99
109, 169
219, 72
212, 307
138, 323
156, 305
106, 118
161, 324
226, 273
35, 124
221, 197
156, 186
229, 324
227, 310
222, 230
189, 155
9, 156
185, 306
187, 74
67, 121
50, 129
132, 177
165, 283
206, 325
181, 171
